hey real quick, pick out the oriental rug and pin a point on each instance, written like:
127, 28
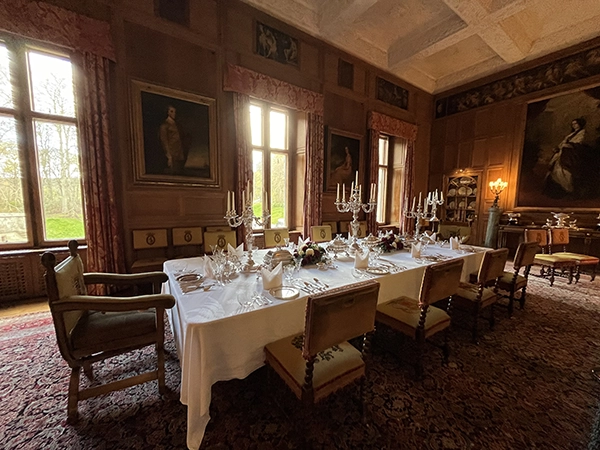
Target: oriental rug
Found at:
527, 385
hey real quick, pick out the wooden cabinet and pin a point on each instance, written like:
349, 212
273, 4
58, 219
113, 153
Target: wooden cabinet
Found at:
462, 196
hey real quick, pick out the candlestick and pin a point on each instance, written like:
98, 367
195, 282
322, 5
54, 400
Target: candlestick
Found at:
356, 179
337, 198
228, 200
343, 192
354, 205
413, 204
423, 211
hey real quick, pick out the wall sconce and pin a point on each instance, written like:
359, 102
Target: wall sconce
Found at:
497, 187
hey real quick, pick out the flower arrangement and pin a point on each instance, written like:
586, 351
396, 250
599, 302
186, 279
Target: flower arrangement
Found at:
310, 253
391, 242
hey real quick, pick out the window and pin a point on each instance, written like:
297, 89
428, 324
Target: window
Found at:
270, 162
40, 180
383, 163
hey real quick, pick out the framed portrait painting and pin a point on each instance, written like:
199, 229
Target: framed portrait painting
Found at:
560, 161
342, 159
174, 135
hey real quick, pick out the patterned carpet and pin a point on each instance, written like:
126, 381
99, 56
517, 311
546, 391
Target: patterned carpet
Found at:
526, 386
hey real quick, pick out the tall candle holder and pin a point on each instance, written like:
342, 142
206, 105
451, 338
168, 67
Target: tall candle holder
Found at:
422, 211
434, 200
354, 204
247, 218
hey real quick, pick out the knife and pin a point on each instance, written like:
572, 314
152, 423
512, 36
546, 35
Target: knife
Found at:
320, 282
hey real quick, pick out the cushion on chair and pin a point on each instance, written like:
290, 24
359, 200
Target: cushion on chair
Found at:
104, 332
403, 314
554, 260
583, 260
506, 281
470, 292
334, 368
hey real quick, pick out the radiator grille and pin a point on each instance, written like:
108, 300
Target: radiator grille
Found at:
13, 277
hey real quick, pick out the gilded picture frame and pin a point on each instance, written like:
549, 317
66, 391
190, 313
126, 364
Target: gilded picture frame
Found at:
174, 136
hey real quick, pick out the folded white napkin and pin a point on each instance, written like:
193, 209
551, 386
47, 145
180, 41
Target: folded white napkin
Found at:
415, 250
454, 243
433, 237
272, 278
302, 241
361, 260
239, 251
208, 267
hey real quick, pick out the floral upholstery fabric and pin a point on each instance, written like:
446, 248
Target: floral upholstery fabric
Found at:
405, 313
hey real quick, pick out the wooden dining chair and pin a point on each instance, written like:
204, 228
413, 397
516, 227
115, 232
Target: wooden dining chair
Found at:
514, 281
320, 361
320, 233
559, 237
475, 297
551, 265
275, 237
416, 318
91, 328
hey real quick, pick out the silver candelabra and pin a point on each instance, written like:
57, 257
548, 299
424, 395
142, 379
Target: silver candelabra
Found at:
354, 204
247, 218
422, 211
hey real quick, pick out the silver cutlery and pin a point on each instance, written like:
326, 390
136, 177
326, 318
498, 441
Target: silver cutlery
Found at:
326, 286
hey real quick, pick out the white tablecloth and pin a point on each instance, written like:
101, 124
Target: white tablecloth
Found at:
216, 341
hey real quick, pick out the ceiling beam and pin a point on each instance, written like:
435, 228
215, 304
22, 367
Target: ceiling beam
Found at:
336, 16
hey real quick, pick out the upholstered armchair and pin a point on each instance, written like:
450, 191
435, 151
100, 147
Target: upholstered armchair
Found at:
416, 318
320, 361
550, 263
559, 237
475, 297
91, 328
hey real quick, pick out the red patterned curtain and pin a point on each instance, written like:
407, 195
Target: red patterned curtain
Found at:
373, 177
396, 127
102, 218
241, 112
313, 178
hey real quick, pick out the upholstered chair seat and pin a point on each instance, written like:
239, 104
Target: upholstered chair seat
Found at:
507, 279
404, 313
334, 367
418, 319
105, 332
471, 292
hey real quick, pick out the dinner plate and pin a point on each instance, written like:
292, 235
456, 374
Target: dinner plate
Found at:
377, 270
189, 277
462, 190
452, 192
285, 292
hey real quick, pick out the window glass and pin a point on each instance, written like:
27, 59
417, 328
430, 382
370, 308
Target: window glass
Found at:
256, 125
6, 100
278, 130
60, 180
51, 85
13, 224
278, 198
258, 184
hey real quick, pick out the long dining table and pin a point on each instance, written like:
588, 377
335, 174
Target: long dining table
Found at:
219, 339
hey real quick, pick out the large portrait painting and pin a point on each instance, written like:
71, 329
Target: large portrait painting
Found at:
561, 152
175, 136
342, 158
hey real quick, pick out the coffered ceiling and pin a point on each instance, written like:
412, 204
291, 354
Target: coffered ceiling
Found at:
440, 44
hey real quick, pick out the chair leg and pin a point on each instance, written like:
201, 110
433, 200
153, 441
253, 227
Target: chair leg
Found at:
88, 371
577, 274
73, 396
552, 273
570, 275
523, 295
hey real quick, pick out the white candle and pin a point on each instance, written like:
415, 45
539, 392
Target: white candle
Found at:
413, 205
372, 192
233, 201
425, 204
344, 192
337, 198
356, 179
352, 188
228, 201
360, 193
420, 200
436, 195
442, 197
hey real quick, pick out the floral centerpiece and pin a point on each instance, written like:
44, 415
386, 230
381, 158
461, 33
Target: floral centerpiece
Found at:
310, 253
390, 242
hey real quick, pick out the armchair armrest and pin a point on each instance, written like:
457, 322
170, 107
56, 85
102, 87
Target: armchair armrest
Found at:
113, 304
125, 278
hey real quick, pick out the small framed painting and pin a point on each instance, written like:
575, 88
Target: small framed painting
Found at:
342, 159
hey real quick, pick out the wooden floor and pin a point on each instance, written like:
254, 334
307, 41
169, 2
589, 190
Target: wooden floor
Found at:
11, 309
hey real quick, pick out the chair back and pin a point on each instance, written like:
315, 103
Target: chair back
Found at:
525, 255
559, 236
275, 237
219, 239
539, 236
320, 233
339, 315
440, 281
492, 265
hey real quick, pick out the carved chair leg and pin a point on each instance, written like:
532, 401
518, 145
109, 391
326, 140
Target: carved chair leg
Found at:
577, 274
73, 396
523, 295
570, 275
88, 371
552, 273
